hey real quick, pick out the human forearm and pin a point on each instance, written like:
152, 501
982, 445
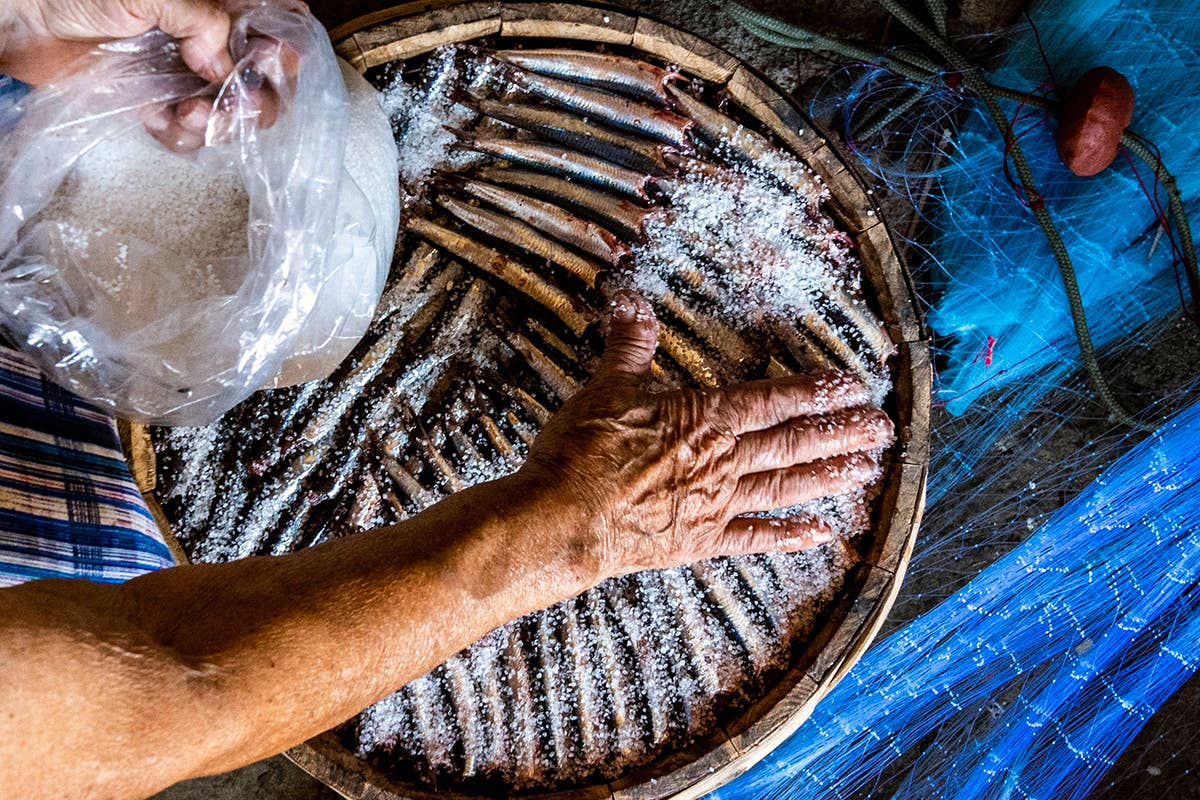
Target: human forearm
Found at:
229, 663
202, 668
354, 618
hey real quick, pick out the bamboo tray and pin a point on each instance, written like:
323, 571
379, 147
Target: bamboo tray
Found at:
409, 30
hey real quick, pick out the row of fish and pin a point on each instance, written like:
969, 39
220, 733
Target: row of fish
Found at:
485, 328
572, 172
605, 681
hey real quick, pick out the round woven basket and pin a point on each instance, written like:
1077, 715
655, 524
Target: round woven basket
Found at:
409, 30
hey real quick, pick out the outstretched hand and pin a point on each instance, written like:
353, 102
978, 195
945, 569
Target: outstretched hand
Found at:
666, 479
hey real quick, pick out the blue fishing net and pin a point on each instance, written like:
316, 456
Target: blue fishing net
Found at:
997, 302
1031, 676
1031, 679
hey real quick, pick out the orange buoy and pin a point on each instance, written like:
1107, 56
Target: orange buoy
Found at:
1097, 111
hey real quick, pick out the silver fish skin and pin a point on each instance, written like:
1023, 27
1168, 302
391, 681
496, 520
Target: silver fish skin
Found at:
619, 112
572, 312
568, 129
602, 70
551, 373
521, 235
563, 162
616, 212
718, 129
553, 220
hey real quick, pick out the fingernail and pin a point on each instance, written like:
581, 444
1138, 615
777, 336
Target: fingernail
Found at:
252, 78
823, 536
622, 307
156, 122
621, 310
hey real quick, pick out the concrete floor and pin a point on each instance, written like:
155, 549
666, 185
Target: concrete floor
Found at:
1163, 762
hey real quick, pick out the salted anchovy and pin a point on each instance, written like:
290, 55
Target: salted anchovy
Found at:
630, 619
689, 356
548, 673
558, 302
400, 294
838, 347
499, 441
602, 70
566, 128
800, 344
868, 325
462, 689
420, 496
699, 640
615, 211
553, 375
465, 446
523, 430
551, 339
611, 672
549, 218
520, 694
756, 590
742, 610
291, 535
558, 160
711, 607
776, 369
360, 378
718, 129
611, 109
518, 234
431, 717
593, 734
442, 465
532, 406
722, 338
366, 509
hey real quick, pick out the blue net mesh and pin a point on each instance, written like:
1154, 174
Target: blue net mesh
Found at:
1030, 680
1060, 624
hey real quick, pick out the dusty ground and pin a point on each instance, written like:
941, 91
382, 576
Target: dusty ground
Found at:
1163, 762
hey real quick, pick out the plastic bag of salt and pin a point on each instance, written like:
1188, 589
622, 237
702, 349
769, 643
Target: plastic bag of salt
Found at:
168, 287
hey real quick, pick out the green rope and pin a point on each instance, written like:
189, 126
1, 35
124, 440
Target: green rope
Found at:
931, 75
937, 11
873, 125
776, 31
1187, 246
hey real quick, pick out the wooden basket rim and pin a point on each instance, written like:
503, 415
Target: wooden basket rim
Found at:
736, 747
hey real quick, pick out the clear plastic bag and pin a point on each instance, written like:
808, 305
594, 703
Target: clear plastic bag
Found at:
169, 287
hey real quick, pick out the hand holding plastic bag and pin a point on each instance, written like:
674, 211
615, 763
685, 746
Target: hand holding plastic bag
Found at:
167, 287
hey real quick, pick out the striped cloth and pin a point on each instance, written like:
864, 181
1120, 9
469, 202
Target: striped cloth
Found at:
69, 507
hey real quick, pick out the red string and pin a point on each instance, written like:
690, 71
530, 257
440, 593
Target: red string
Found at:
1037, 38
1035, 201
1160, 216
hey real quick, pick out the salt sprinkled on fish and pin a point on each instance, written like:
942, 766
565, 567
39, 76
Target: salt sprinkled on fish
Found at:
518, 231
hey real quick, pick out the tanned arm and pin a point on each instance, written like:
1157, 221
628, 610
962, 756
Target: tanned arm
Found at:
116, 691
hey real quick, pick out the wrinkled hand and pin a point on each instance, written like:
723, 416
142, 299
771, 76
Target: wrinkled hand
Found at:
43, 38
664, 479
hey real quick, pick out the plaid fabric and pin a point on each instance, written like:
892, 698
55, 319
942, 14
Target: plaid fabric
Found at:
68, 505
